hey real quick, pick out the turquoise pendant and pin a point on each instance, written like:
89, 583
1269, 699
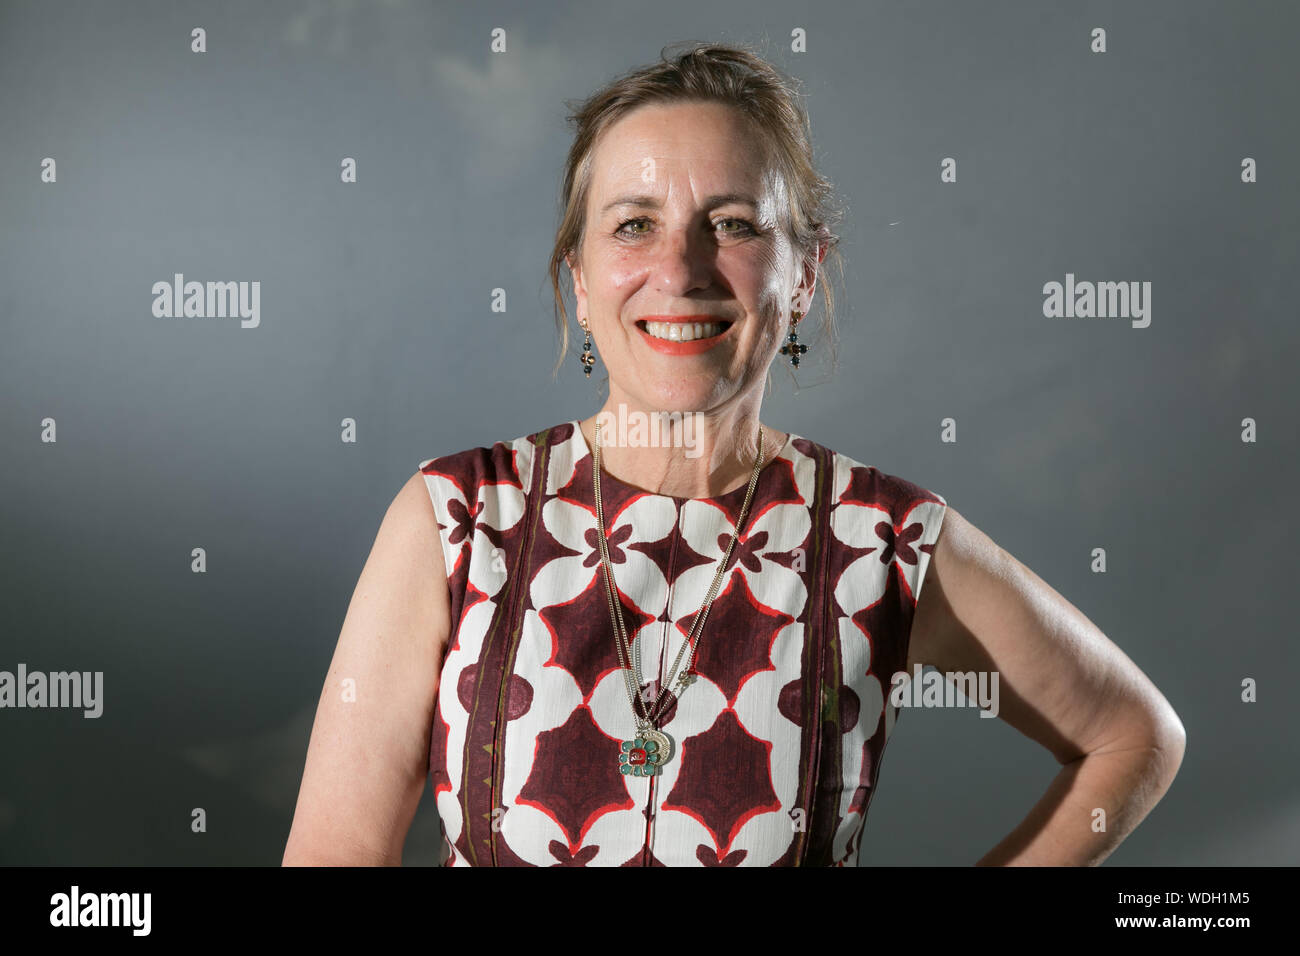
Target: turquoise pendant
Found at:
644, 755
639, 757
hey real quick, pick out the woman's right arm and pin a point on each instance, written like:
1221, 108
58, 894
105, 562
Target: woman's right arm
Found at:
368, 758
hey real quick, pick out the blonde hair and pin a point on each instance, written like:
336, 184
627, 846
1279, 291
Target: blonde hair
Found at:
735, 76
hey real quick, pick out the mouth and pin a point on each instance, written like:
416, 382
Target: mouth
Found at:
683, 335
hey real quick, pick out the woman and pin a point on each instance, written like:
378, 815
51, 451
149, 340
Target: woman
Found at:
657, 641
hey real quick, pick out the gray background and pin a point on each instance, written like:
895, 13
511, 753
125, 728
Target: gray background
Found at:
174, 434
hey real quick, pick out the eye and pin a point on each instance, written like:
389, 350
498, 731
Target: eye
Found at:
627, 222
746, 227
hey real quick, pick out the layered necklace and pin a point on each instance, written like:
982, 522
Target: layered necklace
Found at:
650, 748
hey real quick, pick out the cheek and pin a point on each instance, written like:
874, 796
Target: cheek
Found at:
762, 274
769, 339
769, 315
619, 273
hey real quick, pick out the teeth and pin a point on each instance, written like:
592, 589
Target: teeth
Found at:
684, 331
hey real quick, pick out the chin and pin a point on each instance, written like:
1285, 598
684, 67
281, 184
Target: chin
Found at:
690, 396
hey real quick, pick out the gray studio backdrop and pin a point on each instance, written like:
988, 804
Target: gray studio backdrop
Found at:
375, 305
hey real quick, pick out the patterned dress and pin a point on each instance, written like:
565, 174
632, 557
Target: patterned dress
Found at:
778, 743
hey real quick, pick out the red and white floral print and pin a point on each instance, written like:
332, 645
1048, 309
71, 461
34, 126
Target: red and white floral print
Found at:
777, 743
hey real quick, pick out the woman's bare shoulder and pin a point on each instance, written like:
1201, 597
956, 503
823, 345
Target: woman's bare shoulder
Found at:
368, 754
413, 525
1064, 682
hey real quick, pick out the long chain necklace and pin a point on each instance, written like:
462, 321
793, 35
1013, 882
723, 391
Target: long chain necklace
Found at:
646, 753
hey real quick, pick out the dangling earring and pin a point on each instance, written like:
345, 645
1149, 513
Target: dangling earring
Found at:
792, 348
587, 359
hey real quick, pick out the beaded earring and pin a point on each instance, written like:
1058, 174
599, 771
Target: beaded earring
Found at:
587, 359
792, 348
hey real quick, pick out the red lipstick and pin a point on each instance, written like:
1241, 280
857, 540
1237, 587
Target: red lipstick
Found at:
694, 346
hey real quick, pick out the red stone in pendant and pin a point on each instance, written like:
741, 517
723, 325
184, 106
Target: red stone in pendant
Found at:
636, 757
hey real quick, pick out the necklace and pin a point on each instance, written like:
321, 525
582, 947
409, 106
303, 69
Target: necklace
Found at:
646, 753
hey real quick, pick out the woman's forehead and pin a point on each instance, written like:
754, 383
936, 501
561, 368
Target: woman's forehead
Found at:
702, 133
649, 171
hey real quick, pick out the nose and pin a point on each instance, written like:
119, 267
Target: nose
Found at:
685, 261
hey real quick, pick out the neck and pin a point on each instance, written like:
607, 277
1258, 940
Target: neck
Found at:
685, 455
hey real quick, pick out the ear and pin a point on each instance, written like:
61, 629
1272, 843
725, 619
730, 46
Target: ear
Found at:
803, 292
579, 287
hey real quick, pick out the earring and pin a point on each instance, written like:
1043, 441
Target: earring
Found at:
587, 359
792, 348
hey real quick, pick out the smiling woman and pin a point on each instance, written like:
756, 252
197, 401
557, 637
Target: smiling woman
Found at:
608, 651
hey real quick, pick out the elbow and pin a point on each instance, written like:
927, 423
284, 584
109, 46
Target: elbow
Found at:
339, 859
331, 850
1170, 730
1167, 739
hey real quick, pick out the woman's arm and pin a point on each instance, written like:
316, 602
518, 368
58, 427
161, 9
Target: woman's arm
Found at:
1061, 682
369, 756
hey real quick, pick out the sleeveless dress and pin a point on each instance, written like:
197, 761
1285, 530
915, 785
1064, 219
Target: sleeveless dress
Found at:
778, 742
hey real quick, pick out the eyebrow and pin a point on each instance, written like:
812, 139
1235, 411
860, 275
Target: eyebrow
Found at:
652, 202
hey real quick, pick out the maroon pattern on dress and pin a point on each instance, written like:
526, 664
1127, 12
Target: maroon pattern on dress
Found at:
780, 739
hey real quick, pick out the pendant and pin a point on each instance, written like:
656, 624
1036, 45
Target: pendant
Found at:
644, 755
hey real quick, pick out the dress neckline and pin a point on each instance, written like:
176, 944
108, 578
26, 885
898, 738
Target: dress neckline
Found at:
738, 492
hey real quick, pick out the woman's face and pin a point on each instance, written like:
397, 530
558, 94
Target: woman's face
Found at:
683, 220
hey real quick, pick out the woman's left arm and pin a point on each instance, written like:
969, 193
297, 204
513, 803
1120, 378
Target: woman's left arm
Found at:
1061, 682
